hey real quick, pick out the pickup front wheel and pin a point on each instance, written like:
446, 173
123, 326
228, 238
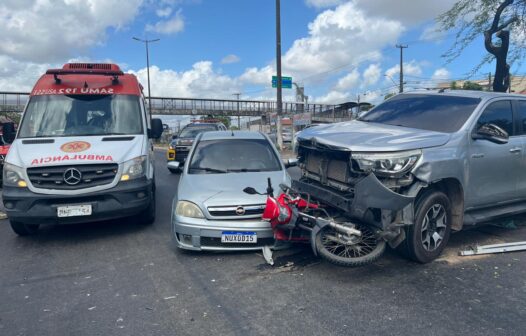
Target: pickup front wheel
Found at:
22, 229
427, 238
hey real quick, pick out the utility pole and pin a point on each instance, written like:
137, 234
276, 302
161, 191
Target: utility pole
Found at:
401, 47
279, 139
237, 94
146, 42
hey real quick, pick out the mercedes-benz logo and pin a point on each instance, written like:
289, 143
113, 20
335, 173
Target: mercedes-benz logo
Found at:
240, 211
72, 176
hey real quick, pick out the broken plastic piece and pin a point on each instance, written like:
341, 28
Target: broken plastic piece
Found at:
267, 254
495, 248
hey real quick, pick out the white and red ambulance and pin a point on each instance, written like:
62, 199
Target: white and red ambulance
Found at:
82, 151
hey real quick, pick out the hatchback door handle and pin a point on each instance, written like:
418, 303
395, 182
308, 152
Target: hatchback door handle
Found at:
516, 150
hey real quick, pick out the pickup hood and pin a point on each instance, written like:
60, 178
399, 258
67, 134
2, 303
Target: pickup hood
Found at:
227, 189
367, 137
74, 150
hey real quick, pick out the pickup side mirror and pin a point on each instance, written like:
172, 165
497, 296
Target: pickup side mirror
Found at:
491, 132
9, 132
157, 128
174, 165
290, 163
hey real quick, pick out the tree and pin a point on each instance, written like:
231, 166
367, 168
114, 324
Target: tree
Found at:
488, 18
472, 86
454, 85
389, 95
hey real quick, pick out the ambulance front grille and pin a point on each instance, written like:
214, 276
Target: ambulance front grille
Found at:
65, 177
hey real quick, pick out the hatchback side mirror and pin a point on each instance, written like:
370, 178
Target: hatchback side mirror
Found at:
157, 128
290, 163
491, 132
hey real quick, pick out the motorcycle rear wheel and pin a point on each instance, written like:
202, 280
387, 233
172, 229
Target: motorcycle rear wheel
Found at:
364, 250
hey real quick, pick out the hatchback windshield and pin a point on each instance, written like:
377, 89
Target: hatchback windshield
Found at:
439, 113
193, 131
60, 115
236, 155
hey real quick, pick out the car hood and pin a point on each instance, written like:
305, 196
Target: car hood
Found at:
366, 136
227, 189
66, 150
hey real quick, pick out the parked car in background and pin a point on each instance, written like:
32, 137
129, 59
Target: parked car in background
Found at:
180, 145
421, 164
210, 210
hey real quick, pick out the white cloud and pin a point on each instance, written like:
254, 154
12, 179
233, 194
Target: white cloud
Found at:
412, 68
43, 31
230, 59
333, 97
349, 81
200, 81
257, 76
323, 3
441, 74
164, 12
170, 26
371, 75
432, 33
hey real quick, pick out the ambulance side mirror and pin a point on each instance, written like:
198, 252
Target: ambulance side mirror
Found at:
157, 128
9, 132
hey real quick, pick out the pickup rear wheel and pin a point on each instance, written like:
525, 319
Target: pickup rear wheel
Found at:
22, 229
427, 238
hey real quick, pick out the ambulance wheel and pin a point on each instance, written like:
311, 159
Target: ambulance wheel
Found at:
22, 229
147, 217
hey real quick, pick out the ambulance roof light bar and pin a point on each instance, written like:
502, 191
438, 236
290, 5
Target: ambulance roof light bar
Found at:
87, 69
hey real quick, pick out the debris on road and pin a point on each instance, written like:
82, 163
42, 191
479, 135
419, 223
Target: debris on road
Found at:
495, 248
267, 254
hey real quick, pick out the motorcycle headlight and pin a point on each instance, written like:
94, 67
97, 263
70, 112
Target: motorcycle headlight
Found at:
13, 176
134, 168
171, 147
387, 164
188, 209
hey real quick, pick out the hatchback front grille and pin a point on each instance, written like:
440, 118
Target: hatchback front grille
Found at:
91, 175
242, 211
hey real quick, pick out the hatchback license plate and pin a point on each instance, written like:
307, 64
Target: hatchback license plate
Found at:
239, 237
74, 210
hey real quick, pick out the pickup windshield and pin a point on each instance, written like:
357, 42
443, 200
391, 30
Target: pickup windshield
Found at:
233, 156
81, 115
439, 113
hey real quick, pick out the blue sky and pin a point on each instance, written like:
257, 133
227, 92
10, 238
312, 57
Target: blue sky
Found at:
336, 48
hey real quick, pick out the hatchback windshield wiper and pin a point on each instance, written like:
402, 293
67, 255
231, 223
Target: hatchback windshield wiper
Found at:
244, 170
208, 169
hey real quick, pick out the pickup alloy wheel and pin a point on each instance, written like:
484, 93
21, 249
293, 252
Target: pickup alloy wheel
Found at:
428, 236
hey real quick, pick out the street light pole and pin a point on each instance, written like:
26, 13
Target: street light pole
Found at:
279, 138
238, 116
146, 42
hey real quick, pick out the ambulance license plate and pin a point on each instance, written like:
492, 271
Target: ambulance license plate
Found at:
74, 210
239, 237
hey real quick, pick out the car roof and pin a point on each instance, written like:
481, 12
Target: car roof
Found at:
202, 124
224, 135
465, 93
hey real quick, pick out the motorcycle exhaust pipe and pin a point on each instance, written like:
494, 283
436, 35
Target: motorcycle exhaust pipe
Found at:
345, 229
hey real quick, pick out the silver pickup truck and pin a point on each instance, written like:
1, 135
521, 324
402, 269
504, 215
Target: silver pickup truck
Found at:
420, 165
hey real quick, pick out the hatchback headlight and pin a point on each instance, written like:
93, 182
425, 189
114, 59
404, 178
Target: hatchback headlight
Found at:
134, 168
13, 176
387, 164
188, 209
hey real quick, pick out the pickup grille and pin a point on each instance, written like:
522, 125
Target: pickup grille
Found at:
91, 175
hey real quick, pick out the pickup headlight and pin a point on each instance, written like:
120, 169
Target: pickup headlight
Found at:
13, 176
171, 147
188, 209
387, 164
134, 168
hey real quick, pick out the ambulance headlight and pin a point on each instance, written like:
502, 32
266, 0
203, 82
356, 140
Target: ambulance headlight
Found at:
134, 168
13, 176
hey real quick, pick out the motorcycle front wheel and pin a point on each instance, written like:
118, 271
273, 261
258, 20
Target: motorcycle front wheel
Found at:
354, 251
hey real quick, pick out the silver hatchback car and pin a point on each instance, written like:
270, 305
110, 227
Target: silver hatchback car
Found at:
210, 210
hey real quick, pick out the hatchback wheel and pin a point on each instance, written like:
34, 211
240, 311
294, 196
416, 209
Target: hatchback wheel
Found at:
427, 238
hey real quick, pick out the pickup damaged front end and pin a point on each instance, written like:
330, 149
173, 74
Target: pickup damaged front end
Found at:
374, 188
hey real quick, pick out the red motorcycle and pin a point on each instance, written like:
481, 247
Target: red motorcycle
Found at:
295, 219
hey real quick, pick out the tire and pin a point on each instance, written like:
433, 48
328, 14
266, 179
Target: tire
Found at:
363, 260
147, 217
432, 218
173, 171
22, 229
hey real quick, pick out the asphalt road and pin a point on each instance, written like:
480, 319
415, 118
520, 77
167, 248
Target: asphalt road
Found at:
120, 278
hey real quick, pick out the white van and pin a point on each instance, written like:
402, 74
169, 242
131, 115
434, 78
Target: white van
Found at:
82, 152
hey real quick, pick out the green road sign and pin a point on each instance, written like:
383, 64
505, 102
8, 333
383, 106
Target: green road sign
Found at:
286, 82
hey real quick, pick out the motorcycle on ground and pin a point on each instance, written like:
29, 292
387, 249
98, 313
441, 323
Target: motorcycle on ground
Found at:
295, 219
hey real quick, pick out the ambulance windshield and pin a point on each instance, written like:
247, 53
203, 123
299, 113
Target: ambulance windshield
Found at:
81, 115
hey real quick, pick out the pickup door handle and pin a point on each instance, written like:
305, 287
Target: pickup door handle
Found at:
516, 150
477, 156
